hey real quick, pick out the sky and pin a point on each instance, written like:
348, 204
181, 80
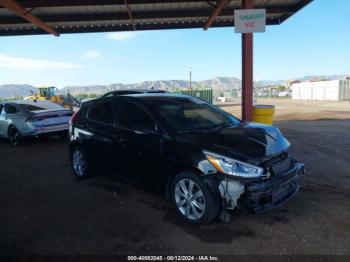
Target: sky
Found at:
315, 41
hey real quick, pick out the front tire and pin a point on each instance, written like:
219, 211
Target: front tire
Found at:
14, 136
80, 166
193, 199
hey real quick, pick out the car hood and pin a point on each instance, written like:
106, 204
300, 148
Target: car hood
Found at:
246, 141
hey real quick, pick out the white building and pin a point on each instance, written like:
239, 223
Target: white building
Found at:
336, 90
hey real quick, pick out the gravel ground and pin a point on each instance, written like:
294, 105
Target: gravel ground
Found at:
45, 210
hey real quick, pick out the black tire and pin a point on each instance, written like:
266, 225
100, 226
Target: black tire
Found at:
63, 136
14, 136
84, 170
210, 201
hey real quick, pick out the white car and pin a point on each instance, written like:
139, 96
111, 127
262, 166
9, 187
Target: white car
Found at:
27, 118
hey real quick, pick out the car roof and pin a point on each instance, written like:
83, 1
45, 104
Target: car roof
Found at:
150, 97
139, 90
157, 95
134, 91
145, 97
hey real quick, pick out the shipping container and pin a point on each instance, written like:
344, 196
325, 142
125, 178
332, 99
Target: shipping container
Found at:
334, 90
204, 93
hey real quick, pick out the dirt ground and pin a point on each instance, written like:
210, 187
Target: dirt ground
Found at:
45, 210
288, 109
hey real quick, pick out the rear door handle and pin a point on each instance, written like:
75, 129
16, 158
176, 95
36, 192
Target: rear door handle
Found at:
118, 138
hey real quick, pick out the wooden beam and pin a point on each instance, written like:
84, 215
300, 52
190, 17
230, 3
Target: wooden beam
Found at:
297, 8
130, 14
22, 12
216, 12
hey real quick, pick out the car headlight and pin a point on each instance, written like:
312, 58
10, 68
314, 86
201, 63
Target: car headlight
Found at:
233, 167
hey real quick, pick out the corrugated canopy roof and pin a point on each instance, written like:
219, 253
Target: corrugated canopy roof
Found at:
79, 16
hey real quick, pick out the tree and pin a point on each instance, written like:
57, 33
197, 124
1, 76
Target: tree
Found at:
281, 88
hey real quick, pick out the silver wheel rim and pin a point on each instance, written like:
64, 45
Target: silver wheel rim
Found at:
14, 135
78, 163
189, 199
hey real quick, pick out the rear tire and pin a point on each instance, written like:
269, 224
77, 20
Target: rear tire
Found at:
193, 199
14, 136
63, 136
79, 163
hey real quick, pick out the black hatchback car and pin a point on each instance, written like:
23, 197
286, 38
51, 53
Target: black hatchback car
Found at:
202, 158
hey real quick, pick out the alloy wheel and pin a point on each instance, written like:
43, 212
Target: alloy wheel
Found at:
79, 164
189, 199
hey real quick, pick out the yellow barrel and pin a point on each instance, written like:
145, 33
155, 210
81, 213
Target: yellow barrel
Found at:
263, 114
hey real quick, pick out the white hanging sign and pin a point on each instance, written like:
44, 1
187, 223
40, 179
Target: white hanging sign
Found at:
250, 20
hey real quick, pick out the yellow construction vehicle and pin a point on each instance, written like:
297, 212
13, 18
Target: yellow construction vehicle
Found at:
49, 93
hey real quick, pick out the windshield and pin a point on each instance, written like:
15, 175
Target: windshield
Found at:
185, 115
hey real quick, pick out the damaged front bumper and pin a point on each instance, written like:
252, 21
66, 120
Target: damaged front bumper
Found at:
275, 191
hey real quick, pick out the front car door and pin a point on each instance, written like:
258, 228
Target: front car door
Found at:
138, 143
10, 115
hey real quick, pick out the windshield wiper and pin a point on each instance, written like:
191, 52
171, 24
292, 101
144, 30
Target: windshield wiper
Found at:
205, 129
190, 130
223, 125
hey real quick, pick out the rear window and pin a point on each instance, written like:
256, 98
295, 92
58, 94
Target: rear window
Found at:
102, 112
32, 107
81, 116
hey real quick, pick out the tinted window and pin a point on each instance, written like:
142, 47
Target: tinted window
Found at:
81, 116
134, 117
32, 107
10, 109
39, 105
1, 107
102, 112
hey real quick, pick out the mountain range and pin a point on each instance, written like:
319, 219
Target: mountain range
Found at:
217, 83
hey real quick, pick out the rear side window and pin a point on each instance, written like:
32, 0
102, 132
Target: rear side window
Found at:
134, 117
10, 109
102, 112
81, 116
1, 107
32, 107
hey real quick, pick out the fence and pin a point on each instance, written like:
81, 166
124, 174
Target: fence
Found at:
204, 93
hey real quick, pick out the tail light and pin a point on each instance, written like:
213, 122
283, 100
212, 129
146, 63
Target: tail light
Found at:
71, 120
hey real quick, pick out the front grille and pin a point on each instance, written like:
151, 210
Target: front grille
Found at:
279, 164
282, 166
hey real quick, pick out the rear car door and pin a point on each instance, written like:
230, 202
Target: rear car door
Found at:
100, 123
138, 145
